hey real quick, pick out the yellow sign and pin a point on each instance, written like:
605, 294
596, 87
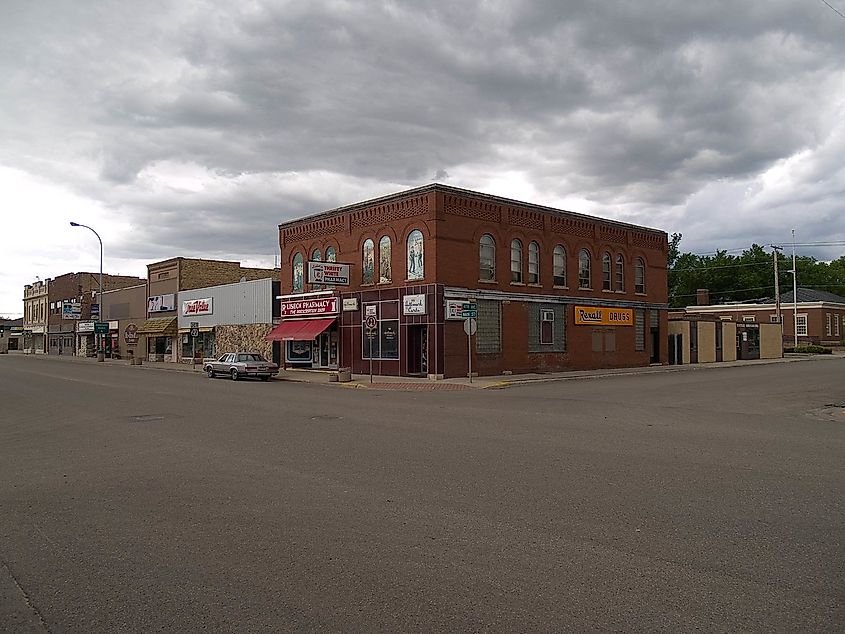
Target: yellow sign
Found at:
596, 316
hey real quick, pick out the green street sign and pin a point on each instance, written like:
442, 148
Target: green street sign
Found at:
101, 327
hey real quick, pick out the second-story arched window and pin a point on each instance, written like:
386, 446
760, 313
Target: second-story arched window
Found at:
331, 255
487, 258
415, 255
639, 276
605, 271
516, 261
559, 266
368, 262
384, 274
298, 278
533, 263
316, 256
584, 275
620, 273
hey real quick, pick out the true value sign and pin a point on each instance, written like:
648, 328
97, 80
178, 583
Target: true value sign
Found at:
309, 307
197, 306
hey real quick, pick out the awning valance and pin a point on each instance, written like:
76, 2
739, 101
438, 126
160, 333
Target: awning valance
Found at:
162, 327
299, 329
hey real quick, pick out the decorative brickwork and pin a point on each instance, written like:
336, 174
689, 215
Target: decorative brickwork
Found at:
249, 338
648, 241
311, 230
469, 208
388, 212
525, 218
615, 235
574, 227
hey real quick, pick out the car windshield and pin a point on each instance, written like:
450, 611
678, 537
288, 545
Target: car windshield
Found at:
250, 357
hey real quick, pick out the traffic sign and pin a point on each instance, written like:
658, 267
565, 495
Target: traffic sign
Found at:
471, 326
195, 329
370, 322
469, 309
101, 327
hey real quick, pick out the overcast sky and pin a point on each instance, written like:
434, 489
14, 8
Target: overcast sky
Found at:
193, 128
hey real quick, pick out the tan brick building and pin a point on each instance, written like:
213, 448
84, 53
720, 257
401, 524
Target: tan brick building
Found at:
165, 279
553, 289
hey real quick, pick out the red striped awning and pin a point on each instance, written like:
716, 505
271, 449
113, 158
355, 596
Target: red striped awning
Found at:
299, 329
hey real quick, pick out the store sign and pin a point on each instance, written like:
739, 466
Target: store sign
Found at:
197, 307
350, 303
599, 316
413, 305
161, 303
310, 307
85, 326
130, 334
71, 310
328, 273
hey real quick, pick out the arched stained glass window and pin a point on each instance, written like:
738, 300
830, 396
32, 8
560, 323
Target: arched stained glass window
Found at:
384, 260
298, 277
487, 258
368, 262
415, 255
331, 255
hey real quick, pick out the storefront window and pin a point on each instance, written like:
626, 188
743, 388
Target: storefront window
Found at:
384, 343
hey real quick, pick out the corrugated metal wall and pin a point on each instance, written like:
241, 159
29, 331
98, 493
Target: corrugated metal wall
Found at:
232, 304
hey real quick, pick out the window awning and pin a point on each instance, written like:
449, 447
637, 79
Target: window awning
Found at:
163, 326
299, 329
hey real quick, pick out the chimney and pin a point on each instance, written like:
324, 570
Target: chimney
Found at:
702, 297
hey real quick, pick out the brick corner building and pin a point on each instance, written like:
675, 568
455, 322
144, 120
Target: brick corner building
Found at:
554, 290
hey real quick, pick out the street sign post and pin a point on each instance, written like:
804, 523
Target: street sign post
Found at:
370, 324
470, 327
101, 327
195, 332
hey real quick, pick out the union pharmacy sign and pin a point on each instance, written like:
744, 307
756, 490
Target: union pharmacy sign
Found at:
310, 307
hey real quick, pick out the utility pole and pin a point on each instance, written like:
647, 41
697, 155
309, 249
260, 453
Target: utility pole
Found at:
794, 290
775, 254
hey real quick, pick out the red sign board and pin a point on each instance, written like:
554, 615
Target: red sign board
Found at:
309, 307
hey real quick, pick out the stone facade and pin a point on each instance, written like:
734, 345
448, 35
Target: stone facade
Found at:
202, 273
248, 338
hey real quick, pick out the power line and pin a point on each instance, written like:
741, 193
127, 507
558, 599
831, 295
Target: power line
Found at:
834, 9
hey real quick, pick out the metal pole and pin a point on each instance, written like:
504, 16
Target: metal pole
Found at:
469, 349
794, 290
101, 353
775, 254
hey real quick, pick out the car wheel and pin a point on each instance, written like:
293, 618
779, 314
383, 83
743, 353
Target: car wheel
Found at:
234, 374
210, 372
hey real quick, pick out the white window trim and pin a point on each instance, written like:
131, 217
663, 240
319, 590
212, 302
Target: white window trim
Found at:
801, 320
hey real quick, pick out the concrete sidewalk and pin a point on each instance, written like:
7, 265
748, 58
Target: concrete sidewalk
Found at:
362, 381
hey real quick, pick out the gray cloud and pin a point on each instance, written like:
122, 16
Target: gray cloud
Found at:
669, 114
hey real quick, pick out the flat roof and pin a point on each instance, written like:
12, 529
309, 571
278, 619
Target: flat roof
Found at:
448, 189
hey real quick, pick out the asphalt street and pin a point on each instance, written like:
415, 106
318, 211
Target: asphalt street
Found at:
137, 500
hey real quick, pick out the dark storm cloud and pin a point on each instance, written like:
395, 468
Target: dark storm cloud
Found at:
657, 112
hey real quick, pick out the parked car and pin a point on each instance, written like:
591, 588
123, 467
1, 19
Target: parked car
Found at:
238, 364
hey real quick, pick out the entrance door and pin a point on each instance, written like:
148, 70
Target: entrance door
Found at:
655, 345
417, 350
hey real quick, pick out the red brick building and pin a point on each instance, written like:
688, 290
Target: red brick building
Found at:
553, 290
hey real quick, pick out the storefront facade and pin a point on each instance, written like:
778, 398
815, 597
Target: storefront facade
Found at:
227, 318
545, 290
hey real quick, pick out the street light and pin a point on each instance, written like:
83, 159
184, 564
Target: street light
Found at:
101, 355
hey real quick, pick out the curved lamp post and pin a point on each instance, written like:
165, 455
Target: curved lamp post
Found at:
101, 355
